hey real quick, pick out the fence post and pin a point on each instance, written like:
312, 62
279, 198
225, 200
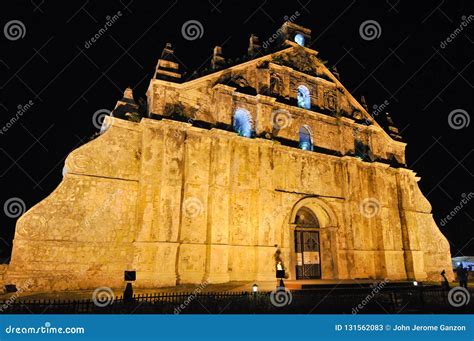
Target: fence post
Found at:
393, 296
420, 293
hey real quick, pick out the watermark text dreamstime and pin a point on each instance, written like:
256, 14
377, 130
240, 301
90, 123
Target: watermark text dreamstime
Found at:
22, 109
462, 203
46, 329
465, 21
190, 298
108, 24
279, 32
378, 109
14, 297
375, 290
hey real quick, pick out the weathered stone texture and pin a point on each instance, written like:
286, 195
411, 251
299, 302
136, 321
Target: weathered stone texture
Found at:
182, 204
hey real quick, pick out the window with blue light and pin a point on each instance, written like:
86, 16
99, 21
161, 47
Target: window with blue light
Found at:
303, 97
299, 39
243, 123
306, 140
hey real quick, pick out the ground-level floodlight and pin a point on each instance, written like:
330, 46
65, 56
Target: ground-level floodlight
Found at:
255, 288
129, 277
415, 283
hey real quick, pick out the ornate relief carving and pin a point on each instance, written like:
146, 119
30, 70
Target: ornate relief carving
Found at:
330, 99
240, 81
298, 60
276, 84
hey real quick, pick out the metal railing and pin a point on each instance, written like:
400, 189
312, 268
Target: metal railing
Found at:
313, 301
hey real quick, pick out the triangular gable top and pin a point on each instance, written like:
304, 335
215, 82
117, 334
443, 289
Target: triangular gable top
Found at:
303, 55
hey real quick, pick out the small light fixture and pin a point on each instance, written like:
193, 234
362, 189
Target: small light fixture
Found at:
415, 283
255, 288
129, 276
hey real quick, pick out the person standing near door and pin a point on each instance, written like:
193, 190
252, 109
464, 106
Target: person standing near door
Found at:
462, 276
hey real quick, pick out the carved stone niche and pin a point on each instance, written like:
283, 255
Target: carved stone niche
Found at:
330, 99
263, 64
357, 115
299, 61
241, 84
223, 95
240, 81
276, 85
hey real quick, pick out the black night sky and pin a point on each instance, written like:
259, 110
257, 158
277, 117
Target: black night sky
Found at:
67, 82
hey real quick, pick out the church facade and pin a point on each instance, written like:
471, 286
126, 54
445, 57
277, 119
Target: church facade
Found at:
269, 155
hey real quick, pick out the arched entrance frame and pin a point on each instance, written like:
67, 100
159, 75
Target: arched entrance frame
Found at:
328, 226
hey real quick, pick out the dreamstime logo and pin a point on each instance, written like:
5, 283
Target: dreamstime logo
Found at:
192, 30
6, 304
14, 30
103, 296
47, 328
458, 119
14, 207
79, 162
190, 298
369, 207
279, 32
110, 21
99, 116
462, 203
106, 123
192, 207
377, 110
281, 297
370, 30
281, 119
22, 109
376, 288
465, 21
459, 296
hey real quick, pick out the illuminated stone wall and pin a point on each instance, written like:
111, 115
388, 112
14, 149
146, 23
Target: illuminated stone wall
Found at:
214, 98
180, 203
81, 235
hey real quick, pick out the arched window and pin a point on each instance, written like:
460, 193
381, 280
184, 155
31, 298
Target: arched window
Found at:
243, 123
299, 39
304, 98
306, 140
306, 218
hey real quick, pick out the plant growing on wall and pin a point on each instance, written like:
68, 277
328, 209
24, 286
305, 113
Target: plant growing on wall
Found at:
179, 110
134, 116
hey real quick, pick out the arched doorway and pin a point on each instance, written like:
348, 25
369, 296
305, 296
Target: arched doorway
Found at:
307, 245
312, 240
